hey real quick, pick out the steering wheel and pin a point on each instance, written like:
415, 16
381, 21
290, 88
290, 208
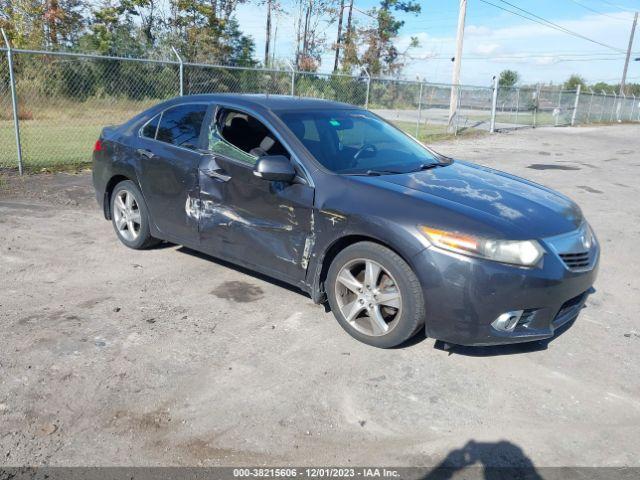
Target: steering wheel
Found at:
367, 146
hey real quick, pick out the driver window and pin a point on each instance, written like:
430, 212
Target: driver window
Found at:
242, 137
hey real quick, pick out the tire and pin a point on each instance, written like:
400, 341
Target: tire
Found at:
137, 213
402, 316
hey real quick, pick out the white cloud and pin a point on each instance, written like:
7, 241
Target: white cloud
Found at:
535, 50
486, 48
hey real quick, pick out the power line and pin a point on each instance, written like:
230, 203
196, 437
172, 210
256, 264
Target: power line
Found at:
549, 24
617, 6
557, 26
577, 2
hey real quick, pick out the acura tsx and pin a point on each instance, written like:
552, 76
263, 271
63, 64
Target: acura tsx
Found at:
336, 201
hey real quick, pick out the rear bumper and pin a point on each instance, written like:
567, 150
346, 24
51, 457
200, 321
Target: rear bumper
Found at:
464, 295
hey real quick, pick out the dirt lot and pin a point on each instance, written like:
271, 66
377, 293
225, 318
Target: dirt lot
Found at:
110, 356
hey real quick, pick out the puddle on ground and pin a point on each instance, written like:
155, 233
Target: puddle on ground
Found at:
240, 292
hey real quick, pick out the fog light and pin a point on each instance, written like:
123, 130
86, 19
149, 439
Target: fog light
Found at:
507, 321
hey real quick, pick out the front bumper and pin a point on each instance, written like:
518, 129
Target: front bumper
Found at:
464, 295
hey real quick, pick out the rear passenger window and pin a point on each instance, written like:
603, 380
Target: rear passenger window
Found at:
149, 129
181, 125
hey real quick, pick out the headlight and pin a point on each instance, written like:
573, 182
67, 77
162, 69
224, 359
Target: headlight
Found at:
517, 252
590, 237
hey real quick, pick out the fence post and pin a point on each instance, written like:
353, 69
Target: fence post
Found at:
575, 106
613, 109
14, 100
559, 107
366, 100
517, 104
458, 110
536, 105
604, 104
633, 107
590, 105
293, 78
620, 106
181, 70
494, 104
419, 112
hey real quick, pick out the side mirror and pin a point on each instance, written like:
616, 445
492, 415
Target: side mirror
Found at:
275, 168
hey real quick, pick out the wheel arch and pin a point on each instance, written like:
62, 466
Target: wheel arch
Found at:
318, 293
111, 185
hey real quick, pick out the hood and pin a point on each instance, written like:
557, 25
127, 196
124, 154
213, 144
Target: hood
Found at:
530, 207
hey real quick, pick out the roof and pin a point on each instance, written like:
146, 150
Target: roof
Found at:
271, 102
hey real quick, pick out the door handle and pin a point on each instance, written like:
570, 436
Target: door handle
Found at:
217, 175
145, 152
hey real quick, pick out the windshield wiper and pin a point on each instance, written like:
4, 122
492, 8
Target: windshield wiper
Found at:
372, 173
429, 166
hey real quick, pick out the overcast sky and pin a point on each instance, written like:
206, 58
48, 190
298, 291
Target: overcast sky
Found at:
494, 40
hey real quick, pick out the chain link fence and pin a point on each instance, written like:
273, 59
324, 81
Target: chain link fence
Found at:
65, 99
8, 153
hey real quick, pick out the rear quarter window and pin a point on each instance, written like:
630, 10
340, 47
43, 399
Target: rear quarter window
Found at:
150, 128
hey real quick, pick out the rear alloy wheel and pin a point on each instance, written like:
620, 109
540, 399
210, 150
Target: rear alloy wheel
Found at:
127, 216
375, 295
130, 216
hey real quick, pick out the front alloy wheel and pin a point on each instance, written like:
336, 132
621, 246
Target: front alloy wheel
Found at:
374, 295
368, 297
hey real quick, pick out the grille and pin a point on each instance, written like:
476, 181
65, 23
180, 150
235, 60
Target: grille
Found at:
576, 260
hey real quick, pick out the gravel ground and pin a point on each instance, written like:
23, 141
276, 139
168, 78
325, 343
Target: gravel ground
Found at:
110, 356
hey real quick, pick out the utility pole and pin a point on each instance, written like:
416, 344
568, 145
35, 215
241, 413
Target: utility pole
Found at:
275, 39
349, 17
305, 39
626, 62
267, 43
339, 38
457, 61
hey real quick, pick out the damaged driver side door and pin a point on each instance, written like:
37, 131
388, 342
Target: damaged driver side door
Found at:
265, 225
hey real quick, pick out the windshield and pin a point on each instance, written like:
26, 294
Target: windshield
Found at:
357, 142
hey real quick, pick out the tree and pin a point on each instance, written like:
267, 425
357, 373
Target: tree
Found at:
381, 54
203, 28
600, 86
310, 39
240, 48
23, 22
573, 81
508, 78
64, 21
149, 13
350, 50
111, 32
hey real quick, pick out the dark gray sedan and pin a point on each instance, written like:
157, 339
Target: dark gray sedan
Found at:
336, 201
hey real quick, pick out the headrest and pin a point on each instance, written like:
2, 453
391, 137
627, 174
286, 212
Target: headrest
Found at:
238, 123
266, 143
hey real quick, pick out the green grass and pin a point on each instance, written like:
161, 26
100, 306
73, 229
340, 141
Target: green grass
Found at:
61, 135
54, 146
524, 118
436, 133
